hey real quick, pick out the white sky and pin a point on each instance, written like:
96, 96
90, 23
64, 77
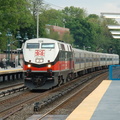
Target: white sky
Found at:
91, 6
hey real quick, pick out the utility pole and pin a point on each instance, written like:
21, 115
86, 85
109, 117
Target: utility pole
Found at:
8, 45
38, 5
18, 38
37, 24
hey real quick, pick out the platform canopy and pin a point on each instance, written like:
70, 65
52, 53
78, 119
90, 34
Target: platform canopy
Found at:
113, 26
115, 29
115, 32
111, 15
116, 37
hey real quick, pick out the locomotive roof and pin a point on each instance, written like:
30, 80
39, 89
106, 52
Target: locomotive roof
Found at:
96, 53
47, 39
59, 41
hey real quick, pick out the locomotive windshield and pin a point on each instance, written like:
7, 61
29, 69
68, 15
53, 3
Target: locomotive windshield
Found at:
48, 45
32, 45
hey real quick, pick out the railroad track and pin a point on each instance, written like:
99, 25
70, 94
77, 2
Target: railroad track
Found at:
16, 103
11, 89
7, 87
72, 96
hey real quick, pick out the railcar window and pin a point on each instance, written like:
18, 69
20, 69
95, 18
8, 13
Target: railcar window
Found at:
70, 48
33, 45
62, 46
48, 45
59, 46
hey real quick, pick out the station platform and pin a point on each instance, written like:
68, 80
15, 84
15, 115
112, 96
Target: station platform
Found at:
10, 74
102, 104
11, 70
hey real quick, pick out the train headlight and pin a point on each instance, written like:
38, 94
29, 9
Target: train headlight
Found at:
49, 65
29, 65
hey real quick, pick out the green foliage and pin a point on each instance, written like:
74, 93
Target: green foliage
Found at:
68, 38
52, 17
15, 15
73, 12
85, 30
53, 35
81, 31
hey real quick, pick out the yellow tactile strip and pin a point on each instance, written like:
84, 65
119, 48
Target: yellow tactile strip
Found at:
11, 70
86, 109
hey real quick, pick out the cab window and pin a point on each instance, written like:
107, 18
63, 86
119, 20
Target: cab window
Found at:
48, 45
32, 45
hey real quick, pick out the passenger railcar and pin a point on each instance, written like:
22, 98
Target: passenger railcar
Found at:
49, 63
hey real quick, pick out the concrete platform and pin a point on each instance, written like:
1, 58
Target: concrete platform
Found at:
109, 106
49, 117
102, 104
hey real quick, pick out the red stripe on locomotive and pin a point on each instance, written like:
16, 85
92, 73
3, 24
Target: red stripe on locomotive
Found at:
60, 65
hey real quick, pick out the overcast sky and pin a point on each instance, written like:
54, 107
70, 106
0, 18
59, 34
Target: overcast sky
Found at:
91, 6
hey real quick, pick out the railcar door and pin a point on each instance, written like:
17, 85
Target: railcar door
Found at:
66, 60
71, 58
71, 61
80, 61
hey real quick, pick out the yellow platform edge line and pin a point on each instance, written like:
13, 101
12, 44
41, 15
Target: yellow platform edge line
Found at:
85, 110
12, 70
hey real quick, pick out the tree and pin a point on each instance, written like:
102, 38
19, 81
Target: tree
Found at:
81, 31
68, 38
88, 31
52, 17
73, 12
53, 35
15, 15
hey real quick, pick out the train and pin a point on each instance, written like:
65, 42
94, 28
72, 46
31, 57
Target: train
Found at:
48, 63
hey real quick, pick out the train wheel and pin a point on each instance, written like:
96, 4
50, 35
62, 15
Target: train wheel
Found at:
60, 80
72, 76
68, 78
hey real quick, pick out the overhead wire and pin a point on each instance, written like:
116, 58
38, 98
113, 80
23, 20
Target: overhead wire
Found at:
52, 4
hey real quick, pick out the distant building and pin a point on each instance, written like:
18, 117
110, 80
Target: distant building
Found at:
60, 30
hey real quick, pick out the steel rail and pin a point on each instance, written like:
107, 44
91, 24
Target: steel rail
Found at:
84, 87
